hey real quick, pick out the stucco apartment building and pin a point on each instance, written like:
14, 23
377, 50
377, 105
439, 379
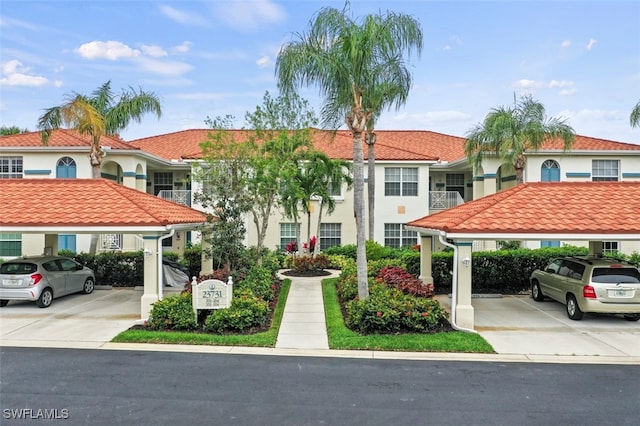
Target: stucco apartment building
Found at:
417, 173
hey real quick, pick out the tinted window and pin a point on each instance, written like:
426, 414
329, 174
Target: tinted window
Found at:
18, 268
616, 275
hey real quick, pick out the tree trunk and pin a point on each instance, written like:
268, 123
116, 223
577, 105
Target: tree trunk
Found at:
95, 159
356, 120
519, 167
371, 181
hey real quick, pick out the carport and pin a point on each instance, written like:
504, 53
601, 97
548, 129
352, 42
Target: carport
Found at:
565, 211
97, 206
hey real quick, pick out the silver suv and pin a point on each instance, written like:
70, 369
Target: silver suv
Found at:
590, 284
42, 279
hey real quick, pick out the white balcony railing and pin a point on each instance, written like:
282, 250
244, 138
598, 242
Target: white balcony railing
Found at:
442, 200
180, 196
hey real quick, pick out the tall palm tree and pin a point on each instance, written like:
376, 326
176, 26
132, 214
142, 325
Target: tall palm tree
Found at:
346, 59
509, 132
99, 114
634, 119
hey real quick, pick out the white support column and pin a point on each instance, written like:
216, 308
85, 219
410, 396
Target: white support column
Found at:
150, 295
464, 309
426, 276
206, 266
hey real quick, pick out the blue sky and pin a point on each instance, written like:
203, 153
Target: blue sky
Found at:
581, 59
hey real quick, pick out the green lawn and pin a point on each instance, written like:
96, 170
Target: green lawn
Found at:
340, 337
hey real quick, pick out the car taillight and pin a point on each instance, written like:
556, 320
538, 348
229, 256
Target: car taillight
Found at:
35, 279
589, 292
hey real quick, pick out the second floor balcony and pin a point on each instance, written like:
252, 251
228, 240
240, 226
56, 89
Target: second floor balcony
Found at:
442, 200
180, 196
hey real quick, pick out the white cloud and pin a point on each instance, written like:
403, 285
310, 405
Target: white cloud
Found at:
592, 42
566, 43
181, 17
111, 50
181, 48
446, 47
264, 62
153, 51
567, 86
247, 15
16, 74
163, 67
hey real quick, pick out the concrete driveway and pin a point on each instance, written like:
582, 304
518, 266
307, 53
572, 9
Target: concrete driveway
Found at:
78, 320
520, 325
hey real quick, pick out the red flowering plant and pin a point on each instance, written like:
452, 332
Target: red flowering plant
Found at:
398, 277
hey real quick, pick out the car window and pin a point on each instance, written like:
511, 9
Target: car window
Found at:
554, 266
18, 268
615, 275
576, 270
51, 266
68, 265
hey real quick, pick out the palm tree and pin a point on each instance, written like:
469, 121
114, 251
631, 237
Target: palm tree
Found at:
97, 115
347, 59
332, 173
509, 132
634, 119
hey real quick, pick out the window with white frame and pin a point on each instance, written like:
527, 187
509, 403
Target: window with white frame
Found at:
10, 244
610, 246
10, 167
396, 235
330, 235
605, 170
455, 182
335, 191
401, 181
288, 233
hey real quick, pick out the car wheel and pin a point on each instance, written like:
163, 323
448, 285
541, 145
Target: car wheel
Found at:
3, 303
536, 292
88, 286
632, 317
45, 299
573, 310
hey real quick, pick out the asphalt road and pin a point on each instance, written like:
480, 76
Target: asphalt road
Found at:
103, 387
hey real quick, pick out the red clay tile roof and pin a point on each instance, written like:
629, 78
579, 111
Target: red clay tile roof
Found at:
394, 145
60, 138
548, 208
86, 202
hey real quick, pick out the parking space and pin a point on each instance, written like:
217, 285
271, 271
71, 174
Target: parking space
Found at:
78, 320
520, 325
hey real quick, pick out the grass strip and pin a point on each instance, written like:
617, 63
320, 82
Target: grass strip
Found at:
264, 339
340, 337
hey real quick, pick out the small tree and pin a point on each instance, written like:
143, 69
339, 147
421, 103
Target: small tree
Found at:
11, 130
634, 118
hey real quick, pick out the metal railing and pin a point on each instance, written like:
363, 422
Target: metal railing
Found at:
442, 200
180, 196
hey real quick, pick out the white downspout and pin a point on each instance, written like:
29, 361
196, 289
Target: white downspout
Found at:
454, 287
160, 271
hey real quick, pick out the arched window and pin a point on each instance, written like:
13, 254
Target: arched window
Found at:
66, 168
550, 171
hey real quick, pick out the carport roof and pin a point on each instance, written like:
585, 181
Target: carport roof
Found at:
47, 204
544, 210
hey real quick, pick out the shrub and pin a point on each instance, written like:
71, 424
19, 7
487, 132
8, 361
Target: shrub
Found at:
246, 311
340, 261
398, 277
308, 263
374, 266
172, 313
260, 281
388, 310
